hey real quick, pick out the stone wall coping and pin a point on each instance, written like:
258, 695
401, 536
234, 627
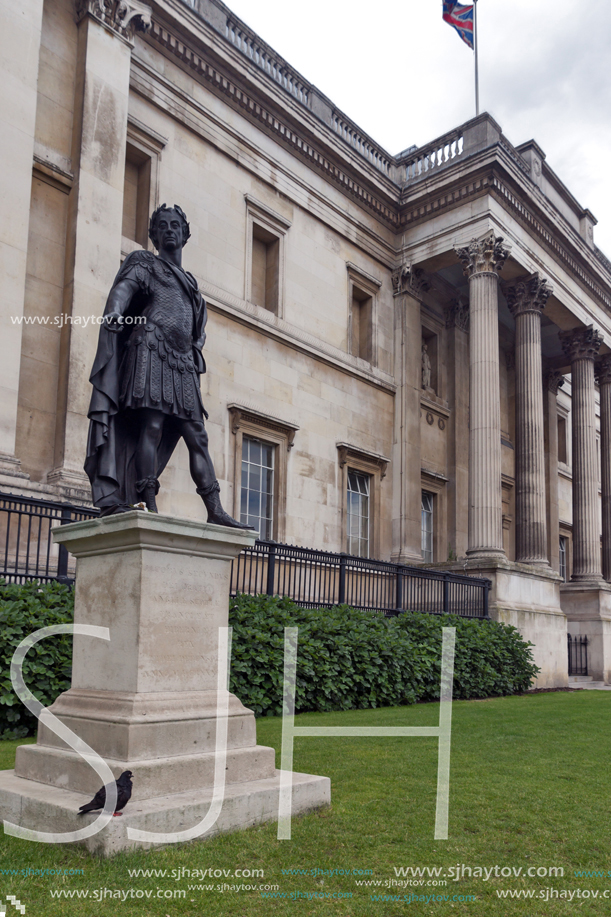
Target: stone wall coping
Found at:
138, 530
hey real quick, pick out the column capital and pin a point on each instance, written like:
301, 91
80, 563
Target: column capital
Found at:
553, 380
487, 255
412, 280
527, 294
457, 314
123, 17
581, 343
602, 370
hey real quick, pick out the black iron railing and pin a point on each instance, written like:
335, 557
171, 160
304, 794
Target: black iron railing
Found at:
317, 579
28, 550
578, 654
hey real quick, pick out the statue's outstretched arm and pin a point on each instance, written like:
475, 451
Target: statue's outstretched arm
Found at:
118, 300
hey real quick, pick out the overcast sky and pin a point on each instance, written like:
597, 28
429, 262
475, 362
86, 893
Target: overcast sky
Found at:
404, 76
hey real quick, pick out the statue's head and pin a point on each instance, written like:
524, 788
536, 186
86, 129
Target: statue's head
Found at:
169, 223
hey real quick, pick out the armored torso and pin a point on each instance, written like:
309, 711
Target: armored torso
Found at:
158, 369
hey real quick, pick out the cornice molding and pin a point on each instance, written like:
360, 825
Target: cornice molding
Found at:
274, 123
241, 414
346, 452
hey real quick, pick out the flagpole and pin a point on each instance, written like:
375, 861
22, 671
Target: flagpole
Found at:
475, 43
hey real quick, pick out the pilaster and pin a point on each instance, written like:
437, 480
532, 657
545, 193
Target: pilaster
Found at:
19, 61
482, 259
408, 285
526, 299
603, 377
93, 251
581, 346
457, 334
553, 380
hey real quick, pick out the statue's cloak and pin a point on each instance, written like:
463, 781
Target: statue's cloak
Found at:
113, 433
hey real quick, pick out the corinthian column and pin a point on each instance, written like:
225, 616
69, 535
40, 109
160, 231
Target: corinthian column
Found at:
526, 298
603, 375
581, 346
482, 259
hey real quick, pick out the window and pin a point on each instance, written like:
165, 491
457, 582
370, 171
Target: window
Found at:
358, 513
362, 305
360, 324
257, 490
265, 268
136, 195
562, 445
262, 445
362, 474
427, 527
140, 191
562, 562
265, 256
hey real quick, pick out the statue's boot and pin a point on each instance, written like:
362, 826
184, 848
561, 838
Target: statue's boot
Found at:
216, 514
148, 488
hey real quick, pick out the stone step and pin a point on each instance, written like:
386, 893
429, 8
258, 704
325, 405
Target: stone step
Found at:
575, 679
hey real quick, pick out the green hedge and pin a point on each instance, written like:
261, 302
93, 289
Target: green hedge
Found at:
350, 659
347, 659
47, 666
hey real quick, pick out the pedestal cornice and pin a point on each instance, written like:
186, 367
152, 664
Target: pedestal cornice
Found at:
153, 531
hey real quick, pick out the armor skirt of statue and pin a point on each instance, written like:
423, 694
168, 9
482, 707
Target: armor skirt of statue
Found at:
156, 375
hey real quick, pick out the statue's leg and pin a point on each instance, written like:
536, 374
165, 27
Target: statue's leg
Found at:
151, 429
202, 472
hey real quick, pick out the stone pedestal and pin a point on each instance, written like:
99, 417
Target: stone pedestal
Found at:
528, 598
146, 701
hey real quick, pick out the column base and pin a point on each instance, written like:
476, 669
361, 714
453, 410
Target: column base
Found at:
493, 555
528, 598
73, 486
10, 466
45, 808
588, 611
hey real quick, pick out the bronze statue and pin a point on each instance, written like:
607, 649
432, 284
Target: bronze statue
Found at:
145, 377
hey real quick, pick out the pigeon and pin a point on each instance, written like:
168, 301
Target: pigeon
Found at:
124, 791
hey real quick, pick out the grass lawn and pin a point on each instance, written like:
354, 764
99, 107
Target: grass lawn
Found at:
530, 788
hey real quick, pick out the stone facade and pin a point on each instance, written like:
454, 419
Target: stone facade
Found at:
327, 265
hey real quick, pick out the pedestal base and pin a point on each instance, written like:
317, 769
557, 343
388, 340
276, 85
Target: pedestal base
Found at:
46, 808
146, 698
528, 598
588, 610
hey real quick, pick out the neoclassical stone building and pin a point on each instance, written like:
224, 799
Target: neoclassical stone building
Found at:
409, 356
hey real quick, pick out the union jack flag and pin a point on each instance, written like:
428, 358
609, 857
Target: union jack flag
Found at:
460, 18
